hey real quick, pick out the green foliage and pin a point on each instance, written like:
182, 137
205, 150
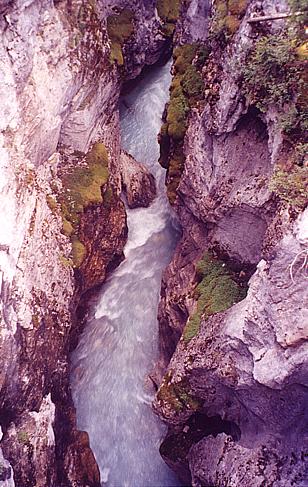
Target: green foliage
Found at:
176, 115
66, 262
216, 292
168, 10
177, 395
298, 22
295, 120
184, 56
119, 27
291, 187
270, 74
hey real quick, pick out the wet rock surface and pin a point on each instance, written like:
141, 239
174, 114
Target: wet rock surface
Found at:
59, 90
138, 183
244, 365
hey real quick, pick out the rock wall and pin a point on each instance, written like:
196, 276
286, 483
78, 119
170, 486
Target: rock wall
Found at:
235, 386
59, 92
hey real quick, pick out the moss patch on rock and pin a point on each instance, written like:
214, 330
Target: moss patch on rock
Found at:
119, 27
227, 18
185, 92
216, 292
176, 395
82, 187
168, 11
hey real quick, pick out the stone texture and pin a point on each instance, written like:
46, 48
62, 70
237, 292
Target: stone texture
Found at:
58, 89
246, 366
138, 183
225, 463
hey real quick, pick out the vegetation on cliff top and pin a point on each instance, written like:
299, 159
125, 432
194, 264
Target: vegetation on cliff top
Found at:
119, 27
275, 74
82, 188
216, 292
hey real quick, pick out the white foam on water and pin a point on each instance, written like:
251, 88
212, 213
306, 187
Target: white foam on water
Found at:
118, 348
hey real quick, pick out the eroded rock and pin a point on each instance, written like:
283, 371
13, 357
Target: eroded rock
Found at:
138, 183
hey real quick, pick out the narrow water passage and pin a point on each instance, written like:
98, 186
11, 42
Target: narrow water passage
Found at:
119, 346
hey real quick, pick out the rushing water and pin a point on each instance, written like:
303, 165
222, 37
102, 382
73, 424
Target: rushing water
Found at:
119, 346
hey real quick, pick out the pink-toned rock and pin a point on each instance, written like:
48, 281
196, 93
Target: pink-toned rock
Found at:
138, 183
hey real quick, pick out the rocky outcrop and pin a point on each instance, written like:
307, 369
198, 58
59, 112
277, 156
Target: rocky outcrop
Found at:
232, 359
59, 93
138, 183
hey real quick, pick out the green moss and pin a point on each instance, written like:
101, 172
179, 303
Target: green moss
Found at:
237, 7
192, 83
82, 187
184, 56
35, 320
116, 54
67, 227
168, 11
227, 17
177, 395
216, 292
291, 186
52, 204
65, 262
178, 110
23, 437
185, 91
78, 253
119, 27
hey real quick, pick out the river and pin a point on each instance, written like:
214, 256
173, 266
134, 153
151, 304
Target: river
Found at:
118, 348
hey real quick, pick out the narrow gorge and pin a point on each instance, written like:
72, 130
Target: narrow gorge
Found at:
153, 243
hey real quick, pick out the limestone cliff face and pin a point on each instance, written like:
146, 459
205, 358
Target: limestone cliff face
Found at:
59, 91
235, 389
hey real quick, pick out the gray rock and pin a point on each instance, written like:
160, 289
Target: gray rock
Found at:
138, 183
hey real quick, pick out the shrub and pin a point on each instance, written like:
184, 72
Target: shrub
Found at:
270, 73
291, 187
295, 120
168, 10
216, 292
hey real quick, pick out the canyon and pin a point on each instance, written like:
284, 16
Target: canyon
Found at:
230, 245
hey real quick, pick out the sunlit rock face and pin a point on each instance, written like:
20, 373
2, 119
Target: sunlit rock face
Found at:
245, 365
59, 90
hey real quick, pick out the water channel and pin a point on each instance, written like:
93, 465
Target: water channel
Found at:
118, 348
